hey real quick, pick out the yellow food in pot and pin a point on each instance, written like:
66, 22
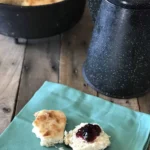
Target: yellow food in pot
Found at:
29, 2
39, 2
14, 2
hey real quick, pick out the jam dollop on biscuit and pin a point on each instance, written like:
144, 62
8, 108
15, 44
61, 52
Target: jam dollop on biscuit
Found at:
89, 132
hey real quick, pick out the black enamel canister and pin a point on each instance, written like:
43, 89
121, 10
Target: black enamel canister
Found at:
118, 61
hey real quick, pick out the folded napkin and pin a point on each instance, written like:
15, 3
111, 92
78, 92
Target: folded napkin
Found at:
129, 130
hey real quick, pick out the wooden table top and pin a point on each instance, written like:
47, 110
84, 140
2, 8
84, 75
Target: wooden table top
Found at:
24, 68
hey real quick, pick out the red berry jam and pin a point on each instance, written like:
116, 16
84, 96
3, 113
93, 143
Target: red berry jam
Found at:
89, 132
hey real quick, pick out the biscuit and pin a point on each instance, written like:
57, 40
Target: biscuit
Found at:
49, 126
76, 143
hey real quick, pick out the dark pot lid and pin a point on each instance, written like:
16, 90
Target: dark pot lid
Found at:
135, 4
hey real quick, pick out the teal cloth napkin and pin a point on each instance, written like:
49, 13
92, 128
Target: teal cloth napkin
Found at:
129, 130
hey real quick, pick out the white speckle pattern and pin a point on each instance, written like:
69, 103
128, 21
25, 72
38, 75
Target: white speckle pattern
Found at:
94, 7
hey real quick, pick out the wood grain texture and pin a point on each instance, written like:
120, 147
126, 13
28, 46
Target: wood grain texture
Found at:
144, 103
11, 58
41, 63
73, 52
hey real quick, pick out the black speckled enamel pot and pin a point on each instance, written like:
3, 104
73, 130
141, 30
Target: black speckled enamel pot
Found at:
33, 22
118, 61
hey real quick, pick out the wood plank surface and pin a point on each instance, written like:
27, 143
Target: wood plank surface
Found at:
11, 58
144, 103
73, 52
41, 63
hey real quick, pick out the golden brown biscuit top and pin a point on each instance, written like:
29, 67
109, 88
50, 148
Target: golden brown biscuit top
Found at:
51, 123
